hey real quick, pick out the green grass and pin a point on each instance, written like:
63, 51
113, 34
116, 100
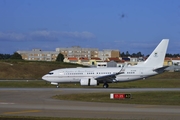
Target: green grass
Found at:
20, 69
150, 98
148, 83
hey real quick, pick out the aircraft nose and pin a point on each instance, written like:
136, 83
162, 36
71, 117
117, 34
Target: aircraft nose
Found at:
44, 77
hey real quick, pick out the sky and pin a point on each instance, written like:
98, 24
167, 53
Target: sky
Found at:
125, 25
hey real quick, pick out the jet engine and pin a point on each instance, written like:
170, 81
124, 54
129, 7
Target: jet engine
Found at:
54, 83
88, 81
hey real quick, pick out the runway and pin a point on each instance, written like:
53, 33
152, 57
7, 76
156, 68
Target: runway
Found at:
38, 102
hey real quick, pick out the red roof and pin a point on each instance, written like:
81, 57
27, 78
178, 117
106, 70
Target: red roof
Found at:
167, 58
114, 59
172, 58
176, 58
73, 58
95, 58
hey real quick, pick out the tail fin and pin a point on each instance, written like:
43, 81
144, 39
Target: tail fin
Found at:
156, 59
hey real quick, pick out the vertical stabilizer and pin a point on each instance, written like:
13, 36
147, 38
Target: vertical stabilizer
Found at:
156, 59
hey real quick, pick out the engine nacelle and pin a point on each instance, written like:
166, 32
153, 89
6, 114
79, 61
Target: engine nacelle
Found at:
88, 81
53, 83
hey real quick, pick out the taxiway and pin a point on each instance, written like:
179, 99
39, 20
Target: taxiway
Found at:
38, 102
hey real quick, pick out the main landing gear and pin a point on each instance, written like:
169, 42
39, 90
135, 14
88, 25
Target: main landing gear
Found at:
57, 86
105, 85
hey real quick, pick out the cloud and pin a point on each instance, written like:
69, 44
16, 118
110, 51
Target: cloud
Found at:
142, 45
12, 36
79, 35
134, 44
45, 35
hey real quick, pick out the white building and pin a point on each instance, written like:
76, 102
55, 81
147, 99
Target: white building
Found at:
78, 52
107, 53
38, 55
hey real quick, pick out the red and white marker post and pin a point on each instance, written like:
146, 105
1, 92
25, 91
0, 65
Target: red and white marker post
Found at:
119, 96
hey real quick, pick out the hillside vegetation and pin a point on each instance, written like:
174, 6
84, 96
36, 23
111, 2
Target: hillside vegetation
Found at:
19, 69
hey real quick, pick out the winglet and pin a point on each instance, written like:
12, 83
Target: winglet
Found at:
122, 69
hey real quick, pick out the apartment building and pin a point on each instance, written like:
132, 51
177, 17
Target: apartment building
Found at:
107, 53
78, 52
39, 55
72, 52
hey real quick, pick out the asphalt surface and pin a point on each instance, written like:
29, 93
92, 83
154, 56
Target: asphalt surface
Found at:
38, 102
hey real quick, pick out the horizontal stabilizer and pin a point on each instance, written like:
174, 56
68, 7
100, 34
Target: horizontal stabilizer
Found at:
161, 68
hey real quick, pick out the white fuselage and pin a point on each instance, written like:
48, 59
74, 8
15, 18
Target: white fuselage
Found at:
74, 75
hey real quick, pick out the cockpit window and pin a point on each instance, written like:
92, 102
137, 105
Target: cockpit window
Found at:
50, 73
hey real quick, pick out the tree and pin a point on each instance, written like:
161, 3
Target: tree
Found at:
16, 56
60, 57
139, 54
122, 54
134, 55
127, 54
4, 56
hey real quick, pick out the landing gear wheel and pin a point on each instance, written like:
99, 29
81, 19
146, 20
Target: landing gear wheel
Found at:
105, 85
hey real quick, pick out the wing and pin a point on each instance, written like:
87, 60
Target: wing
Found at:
108, 78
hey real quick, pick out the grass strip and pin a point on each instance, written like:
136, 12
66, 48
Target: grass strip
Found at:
148, 83
150, 98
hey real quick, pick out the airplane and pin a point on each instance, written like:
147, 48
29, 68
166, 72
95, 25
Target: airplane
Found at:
153, 65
